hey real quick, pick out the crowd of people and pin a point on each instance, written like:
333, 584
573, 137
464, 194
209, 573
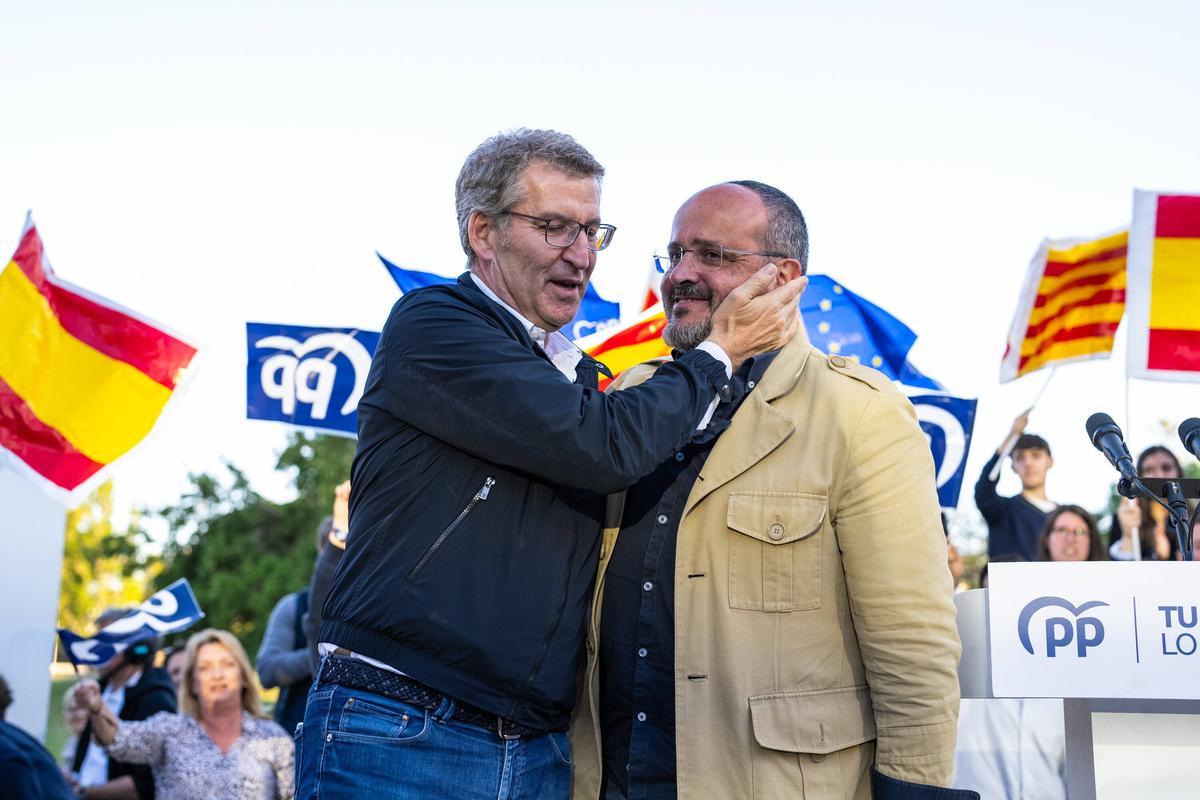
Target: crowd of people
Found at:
676, 588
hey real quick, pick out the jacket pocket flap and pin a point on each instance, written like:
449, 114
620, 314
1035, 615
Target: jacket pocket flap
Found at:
813, 722
776, 517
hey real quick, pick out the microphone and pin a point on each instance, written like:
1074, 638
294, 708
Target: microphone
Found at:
1106, 437
1189, 434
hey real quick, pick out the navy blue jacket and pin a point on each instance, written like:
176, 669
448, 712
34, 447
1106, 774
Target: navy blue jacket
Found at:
478, 501
27, 770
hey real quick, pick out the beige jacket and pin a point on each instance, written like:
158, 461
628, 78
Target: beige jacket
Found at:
815, 632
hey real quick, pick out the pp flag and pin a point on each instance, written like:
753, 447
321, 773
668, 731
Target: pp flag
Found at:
595, 313
308, 377
947, 423
1164, 287
1070, 305
82, 380
167, 611
841, 323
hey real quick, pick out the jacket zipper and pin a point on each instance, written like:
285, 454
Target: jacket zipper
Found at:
480, 496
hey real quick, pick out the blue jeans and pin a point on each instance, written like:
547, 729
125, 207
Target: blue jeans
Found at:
356, 745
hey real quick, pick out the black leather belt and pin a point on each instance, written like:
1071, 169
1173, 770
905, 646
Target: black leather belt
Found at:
354, 673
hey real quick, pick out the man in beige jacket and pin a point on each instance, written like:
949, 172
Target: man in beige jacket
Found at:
774, 618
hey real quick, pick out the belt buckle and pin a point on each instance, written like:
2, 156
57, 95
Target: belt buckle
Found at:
500, 721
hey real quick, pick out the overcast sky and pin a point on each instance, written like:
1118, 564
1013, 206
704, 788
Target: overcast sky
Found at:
209, 164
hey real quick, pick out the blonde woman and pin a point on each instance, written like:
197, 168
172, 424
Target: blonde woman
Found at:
220, 745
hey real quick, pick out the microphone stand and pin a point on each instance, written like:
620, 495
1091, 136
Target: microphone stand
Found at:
1176, 492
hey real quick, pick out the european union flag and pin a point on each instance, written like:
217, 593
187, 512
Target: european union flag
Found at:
842, 323
595, 313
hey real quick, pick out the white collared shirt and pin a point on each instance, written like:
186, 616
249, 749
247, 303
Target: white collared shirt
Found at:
94, 769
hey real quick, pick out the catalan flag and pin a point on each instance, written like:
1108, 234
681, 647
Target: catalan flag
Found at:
629, 344
81, 380
1164, 287
1070, 306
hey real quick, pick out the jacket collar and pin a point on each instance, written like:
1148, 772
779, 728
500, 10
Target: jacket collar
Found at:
758, 427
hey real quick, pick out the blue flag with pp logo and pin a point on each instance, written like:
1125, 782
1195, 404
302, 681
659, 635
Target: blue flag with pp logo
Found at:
167, 611
947, 422
595, 313
307, 377
842, 323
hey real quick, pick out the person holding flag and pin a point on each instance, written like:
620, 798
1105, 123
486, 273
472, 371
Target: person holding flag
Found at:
1015, 523
133, 689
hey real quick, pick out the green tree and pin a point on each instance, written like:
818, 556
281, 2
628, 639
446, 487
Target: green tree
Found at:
241, 552
102, 567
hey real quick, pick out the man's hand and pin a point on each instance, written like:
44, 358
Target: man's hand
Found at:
1020, 424
341, 506
755, 318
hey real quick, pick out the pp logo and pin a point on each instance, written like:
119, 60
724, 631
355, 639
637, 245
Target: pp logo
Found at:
1061, 632
947, 423
307, 376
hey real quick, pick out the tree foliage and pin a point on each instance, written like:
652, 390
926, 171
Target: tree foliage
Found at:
242, 552
102, 567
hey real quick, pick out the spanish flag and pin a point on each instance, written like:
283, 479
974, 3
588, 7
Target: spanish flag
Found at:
1070, 306
629, 344
1164, 287
81, 380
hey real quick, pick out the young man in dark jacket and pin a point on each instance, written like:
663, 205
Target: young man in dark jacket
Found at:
1015, 523
454, 626
135, 689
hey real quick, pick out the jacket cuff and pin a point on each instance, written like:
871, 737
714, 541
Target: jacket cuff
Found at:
885, 787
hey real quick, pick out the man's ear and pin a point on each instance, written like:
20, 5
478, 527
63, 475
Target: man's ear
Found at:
789, 269
483, 236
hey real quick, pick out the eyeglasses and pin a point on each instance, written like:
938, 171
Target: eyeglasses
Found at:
563, 232
1078, 533
708, 256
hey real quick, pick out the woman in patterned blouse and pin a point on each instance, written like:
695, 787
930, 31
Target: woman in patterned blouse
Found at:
221, 745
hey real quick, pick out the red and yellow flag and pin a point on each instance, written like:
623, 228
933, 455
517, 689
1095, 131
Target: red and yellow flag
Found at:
1164, 287
81, 380
1070, 306
629, 344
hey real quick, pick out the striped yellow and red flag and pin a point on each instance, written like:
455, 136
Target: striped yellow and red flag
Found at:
81, 380
629, 344
1164, 287
1070, 306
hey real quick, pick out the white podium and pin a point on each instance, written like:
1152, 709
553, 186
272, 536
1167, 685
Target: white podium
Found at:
1116, 642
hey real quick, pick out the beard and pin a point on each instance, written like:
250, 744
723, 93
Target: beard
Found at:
685, 334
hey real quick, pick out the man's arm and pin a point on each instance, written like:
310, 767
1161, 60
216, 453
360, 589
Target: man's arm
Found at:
278, 664
448, 369
901, 600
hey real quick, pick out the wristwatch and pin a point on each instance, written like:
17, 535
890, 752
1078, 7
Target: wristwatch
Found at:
338, 537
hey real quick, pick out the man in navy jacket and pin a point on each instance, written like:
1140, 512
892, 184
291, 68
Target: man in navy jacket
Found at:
454, 626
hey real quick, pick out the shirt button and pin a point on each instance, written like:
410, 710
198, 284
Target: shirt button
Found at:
641, 716
647, 586
662, 519
642, 652
679, 456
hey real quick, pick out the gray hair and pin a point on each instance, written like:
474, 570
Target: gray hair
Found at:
490, 179
787, 232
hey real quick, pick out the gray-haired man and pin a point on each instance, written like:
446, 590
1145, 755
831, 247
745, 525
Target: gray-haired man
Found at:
454, 627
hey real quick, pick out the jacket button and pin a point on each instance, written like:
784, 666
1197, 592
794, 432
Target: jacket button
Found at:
776, 531
837, 361
591, 646
818, 758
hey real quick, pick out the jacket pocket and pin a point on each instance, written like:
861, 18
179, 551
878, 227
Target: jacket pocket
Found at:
813, 744
448, 531
775, 550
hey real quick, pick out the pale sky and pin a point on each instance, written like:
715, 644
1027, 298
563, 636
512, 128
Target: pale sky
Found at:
210, 164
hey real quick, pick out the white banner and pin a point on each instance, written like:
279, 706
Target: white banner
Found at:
1095, 629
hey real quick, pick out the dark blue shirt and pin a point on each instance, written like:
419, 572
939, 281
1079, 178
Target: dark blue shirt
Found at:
637, 623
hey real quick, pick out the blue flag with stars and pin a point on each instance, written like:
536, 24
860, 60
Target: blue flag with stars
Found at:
842, 323
595, 313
